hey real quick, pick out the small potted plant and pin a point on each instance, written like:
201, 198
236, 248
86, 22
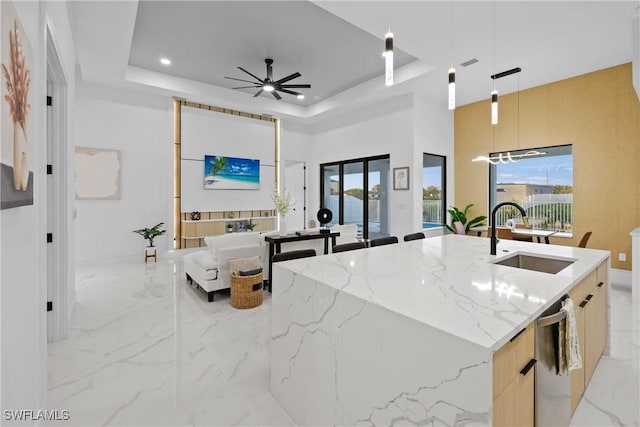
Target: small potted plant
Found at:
461, 217
150, 234
229, 228
283, 203
250, 225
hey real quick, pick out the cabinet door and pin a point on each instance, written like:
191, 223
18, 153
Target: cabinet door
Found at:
515, 405
596, 326
577, 375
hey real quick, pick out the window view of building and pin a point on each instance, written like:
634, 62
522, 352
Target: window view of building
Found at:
433, 190
542, 185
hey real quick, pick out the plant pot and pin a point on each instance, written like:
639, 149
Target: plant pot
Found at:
283, 226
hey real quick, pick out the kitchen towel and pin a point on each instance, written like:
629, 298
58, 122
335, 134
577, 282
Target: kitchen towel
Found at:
568, 342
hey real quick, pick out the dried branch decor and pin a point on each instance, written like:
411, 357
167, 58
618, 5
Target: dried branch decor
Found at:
17, 80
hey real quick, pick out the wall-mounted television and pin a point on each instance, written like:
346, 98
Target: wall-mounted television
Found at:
231, 173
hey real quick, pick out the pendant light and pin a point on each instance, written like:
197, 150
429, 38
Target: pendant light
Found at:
452, 71
388, 58
508, 157
494, 92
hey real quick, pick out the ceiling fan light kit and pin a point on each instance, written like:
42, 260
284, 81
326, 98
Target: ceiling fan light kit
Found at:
269, 85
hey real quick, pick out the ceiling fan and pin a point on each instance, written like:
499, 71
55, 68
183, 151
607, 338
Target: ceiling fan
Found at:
268, 85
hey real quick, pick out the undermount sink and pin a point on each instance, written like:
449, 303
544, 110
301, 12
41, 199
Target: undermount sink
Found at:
535, 263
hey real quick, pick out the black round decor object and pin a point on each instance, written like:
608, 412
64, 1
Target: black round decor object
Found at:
195, 216
324, 216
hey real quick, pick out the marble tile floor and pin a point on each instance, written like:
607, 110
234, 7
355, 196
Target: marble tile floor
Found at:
145, 349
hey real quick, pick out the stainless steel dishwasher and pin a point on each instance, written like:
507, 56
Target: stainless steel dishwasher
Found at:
553, 391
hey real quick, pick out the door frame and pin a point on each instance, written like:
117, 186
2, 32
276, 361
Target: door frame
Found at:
56, 270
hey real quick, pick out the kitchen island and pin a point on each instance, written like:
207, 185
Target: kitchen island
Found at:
408, 333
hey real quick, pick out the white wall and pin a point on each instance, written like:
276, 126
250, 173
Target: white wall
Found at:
390, 133
220, 134
141, 127
23, 348
434, 135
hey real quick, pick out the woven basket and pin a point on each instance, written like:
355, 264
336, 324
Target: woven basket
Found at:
246, 291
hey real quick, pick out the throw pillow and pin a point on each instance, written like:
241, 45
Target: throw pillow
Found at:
244, 264
250, 272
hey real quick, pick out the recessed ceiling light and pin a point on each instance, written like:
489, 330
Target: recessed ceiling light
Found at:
165, 61
300, 96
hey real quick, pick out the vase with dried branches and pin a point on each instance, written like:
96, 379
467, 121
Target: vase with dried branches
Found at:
17, 79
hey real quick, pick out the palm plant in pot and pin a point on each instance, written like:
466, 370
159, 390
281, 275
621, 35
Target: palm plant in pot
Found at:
151, 233
461, 216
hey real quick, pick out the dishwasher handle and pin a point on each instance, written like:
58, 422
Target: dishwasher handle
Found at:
552, 319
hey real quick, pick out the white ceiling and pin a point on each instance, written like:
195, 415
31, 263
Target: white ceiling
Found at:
206, 41
337, 45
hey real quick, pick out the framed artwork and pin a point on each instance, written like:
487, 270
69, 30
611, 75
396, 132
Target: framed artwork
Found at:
17, 134
401, 178
97, 174
231, 173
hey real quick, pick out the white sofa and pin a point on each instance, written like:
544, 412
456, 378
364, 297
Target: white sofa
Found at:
209, 269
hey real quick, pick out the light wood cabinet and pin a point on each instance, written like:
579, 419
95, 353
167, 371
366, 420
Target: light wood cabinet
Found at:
590, 300
215, 223
513, 380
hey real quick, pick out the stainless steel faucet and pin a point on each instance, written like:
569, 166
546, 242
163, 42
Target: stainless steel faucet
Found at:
494, 238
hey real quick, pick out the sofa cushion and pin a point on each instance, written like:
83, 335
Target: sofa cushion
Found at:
215, 243
205, 260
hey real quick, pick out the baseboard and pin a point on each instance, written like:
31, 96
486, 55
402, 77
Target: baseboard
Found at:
621, 277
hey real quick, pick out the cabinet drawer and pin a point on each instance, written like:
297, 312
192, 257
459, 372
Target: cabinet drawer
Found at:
511, 358
583, 288
602, 274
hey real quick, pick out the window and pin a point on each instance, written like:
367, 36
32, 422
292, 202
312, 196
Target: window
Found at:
342, 191
433, 190
542, 185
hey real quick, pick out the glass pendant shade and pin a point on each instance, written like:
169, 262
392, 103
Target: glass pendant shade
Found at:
452, 88
388, 59
494, 107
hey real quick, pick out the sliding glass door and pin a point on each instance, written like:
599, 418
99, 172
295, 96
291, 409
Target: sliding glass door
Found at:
357, 192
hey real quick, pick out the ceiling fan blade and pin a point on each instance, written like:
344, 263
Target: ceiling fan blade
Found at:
252, 75
295, 86
286, 79
240, 80
247, 87
258, 93
276, 96
290, 92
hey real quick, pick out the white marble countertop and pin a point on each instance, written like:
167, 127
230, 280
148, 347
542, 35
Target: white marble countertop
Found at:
450, 282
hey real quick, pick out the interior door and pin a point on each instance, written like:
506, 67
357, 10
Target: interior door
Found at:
295, 182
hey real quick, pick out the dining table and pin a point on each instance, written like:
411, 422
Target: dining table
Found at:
520, 232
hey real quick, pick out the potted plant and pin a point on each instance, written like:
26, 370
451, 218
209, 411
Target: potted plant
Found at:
250, 225
150, 234
229, 228
461, 216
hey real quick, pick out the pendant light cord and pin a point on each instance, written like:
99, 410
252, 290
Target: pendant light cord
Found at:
494, 43
452, 31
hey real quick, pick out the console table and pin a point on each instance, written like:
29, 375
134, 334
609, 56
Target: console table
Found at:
275, 243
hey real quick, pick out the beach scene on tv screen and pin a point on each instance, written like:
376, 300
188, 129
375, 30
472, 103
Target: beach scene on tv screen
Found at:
231, 173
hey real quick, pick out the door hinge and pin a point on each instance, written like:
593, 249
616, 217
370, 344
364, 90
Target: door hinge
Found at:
49, 101
49, 237
49, 305
49, 169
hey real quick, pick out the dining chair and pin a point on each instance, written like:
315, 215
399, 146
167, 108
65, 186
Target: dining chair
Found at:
503, 233
584, 240
383, 241
349, 247
288, 256
522, 238
414, 236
